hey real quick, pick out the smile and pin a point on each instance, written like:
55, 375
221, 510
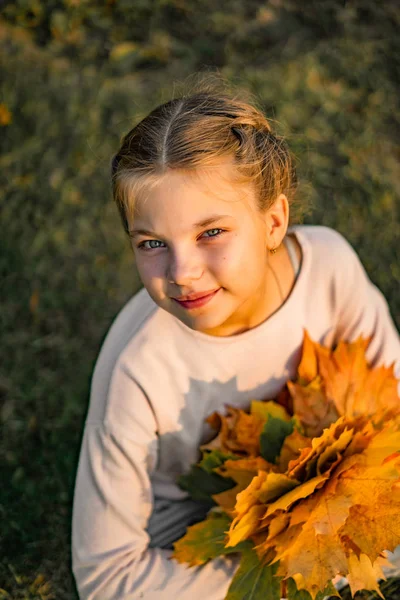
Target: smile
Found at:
191, 304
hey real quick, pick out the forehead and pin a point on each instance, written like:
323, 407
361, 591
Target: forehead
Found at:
194, 194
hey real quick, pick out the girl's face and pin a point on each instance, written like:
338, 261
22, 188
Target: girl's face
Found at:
178, 253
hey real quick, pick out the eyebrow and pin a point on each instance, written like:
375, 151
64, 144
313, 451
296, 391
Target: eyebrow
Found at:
212, 219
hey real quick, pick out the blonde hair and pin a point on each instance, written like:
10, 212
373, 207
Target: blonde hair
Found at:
193, 131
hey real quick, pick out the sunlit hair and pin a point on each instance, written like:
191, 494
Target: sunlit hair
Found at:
193, 132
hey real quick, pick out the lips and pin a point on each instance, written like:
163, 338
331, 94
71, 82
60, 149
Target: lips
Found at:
195, 296
192, 304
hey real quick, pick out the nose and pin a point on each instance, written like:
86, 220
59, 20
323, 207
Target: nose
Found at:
184, 267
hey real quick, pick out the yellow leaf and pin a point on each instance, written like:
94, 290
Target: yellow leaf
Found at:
278, 525
330, 506
291, 449
307, 461
363, 574
266, 409
331, 452
302, 491
317, 558
307, 369
248, 497
227, 499
242, 471
246, 526
326, 511
276, 485
248, 431
374, 528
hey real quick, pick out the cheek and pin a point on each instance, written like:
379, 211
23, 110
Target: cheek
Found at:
150, 271
239, 254
243, 263
228, 262
223, 260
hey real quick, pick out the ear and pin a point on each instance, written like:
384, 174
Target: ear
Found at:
276, 221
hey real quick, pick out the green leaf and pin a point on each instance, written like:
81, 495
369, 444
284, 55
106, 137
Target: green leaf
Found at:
294, 594
272, 437
206, 540
215, 458
254, 580
202, 485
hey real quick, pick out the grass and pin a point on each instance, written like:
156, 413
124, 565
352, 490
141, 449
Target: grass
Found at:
70, 89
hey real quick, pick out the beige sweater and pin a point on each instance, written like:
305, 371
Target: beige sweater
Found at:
155, 382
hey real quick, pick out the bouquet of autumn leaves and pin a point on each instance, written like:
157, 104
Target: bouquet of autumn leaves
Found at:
307, 486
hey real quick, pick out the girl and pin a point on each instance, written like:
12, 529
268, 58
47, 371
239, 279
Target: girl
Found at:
204, 189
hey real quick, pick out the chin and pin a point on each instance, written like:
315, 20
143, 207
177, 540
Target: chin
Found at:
203, 322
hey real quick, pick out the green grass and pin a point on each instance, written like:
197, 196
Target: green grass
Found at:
326, 72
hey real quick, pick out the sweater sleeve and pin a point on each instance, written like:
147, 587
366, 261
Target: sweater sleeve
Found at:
113, 500
363, 310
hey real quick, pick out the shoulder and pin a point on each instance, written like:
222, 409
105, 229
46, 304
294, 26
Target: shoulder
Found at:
333, 265
325, 238
329, 249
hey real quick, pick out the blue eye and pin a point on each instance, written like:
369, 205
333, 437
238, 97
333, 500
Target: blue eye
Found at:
148, 241
215, 230
146, 249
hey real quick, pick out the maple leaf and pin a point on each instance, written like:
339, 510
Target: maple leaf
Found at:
355, 388
356, 512
379, 392
317, 539
313, 478
313, 560
238, 432
291, 449
311, 406
254, 579
250, 503
204, 541
363, 574
312, 352
212, 460
272, 437
371, 528
337, 383
202, 482
293, 593
242, 472
268, 408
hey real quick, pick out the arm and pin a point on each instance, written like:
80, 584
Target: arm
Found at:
111, 558
363, 310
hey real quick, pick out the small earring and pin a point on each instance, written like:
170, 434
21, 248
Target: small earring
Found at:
273, 250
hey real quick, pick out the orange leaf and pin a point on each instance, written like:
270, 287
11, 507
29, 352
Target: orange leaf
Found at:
239, 432
307, 369
310, 405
